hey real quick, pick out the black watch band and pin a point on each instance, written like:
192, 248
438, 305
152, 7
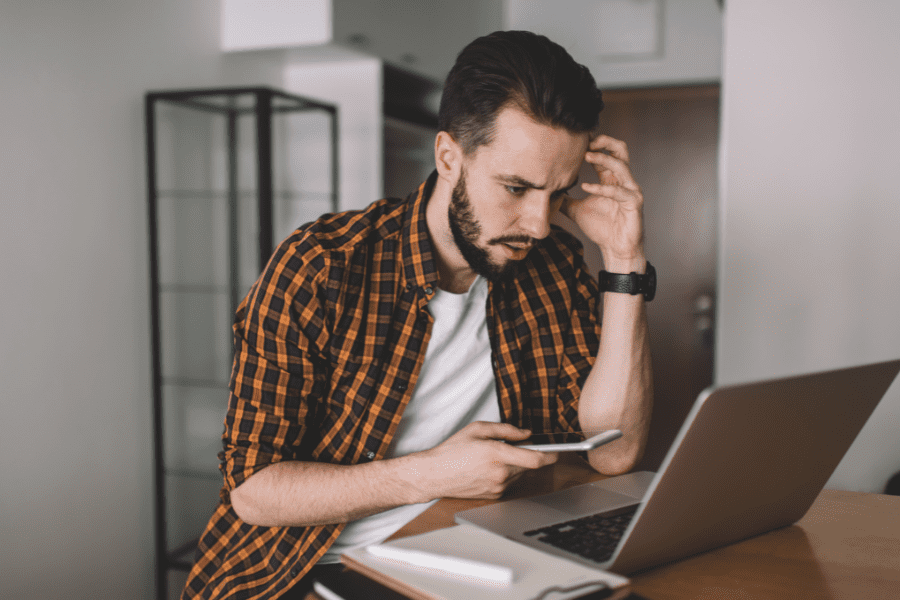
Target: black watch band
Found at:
632, 283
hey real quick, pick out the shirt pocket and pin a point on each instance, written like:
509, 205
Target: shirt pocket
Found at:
353, 388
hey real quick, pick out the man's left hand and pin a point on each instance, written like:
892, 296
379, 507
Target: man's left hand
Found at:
612, 215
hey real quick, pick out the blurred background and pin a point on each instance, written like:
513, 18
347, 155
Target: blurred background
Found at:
763, 134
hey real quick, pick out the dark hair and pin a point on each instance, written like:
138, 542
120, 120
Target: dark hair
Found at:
517, 68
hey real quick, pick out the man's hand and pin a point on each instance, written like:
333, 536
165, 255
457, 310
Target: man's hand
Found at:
612, 216
476, 462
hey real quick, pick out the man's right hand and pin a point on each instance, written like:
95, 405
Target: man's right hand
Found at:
476, 462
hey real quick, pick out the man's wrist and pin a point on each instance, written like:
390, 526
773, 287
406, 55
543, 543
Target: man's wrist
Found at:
637, 265
410, 472
633, 283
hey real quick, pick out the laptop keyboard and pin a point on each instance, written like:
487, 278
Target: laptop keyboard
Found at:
594, 537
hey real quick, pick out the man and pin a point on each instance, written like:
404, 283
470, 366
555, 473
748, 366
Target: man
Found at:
385, 357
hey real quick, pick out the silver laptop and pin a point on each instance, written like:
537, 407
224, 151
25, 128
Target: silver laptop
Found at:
749, 458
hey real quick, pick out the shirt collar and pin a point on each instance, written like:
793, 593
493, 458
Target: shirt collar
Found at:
419, 267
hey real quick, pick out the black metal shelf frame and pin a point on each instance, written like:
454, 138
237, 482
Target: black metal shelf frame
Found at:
262, 104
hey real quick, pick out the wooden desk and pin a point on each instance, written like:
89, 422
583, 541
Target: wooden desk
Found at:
846, 547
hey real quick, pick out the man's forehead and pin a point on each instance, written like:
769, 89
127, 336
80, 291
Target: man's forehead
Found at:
534, 154
513, 121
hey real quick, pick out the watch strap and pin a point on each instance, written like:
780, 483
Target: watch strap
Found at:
630, 283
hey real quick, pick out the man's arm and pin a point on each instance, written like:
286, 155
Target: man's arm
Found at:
473, 463
618, 393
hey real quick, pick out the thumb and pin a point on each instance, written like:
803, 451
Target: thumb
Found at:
568, 207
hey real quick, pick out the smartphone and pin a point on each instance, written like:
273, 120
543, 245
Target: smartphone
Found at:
587, 441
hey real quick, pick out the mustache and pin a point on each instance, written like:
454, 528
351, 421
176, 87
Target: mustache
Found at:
512, 239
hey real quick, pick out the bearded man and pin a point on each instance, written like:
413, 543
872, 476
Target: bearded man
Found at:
386, 357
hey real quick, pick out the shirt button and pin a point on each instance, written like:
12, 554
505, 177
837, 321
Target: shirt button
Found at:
409, 287
400, 387
370, 455
295, 571
428, 291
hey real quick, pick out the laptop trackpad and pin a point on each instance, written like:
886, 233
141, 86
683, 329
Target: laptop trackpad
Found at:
583, 500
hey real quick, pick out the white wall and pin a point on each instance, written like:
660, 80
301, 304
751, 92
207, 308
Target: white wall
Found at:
353, 83
809, 245
75, 472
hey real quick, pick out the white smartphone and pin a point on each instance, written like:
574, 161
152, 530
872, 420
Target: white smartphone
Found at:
589, 443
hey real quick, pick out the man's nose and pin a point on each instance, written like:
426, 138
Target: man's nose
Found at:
535, 216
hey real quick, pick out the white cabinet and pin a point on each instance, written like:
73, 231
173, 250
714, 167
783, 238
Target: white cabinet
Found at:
627, 43
423, 37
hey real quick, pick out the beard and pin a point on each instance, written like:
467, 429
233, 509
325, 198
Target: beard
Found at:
466, 229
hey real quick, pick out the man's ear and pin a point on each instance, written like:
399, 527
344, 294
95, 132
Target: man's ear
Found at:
448, 157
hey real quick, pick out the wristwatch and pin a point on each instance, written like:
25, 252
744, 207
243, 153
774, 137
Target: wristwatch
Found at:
632, 283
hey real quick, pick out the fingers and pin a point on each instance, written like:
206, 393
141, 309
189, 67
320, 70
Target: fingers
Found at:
497, 487
611, 161
477, 462
610, 164
508, 454
614, 192
527, 459
495, 431
610, 145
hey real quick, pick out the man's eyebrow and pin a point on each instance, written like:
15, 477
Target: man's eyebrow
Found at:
522, 182
518, 181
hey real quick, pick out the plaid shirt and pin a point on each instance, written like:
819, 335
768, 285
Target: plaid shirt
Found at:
328, 345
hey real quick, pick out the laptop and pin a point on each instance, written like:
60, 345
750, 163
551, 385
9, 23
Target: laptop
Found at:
749, 458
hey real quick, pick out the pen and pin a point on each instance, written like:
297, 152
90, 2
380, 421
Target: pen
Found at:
443, 564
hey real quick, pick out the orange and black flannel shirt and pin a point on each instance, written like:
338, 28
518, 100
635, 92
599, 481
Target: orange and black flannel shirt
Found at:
328, 345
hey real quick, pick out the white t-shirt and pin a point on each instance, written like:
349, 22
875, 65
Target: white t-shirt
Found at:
455, 387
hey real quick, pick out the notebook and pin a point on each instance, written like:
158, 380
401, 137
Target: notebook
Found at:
535, 574
749, 458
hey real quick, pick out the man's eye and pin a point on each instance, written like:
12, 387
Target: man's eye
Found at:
515, 190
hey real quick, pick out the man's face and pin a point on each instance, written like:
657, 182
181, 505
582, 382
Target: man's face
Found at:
508, 191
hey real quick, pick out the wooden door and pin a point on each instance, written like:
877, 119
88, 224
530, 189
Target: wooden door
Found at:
672, 136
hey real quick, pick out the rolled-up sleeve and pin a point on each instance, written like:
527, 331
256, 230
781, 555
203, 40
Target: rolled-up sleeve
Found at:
277, 377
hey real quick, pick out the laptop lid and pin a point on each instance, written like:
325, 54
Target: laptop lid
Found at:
750, 458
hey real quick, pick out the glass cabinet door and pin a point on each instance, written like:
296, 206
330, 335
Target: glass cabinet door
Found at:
230, 174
